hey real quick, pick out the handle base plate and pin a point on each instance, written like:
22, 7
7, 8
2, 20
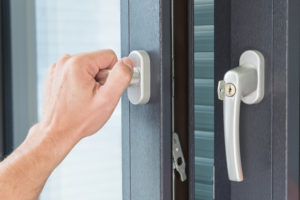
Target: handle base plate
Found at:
254, 59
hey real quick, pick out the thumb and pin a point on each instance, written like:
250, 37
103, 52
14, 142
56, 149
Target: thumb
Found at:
117, 81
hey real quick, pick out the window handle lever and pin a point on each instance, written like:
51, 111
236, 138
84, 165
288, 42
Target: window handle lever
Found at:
243, 83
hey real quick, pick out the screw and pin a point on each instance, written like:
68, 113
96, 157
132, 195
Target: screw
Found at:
229, 89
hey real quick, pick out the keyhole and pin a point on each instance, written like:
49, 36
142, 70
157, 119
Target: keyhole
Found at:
230, 89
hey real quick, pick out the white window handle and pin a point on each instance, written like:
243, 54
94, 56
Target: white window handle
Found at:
246, 83
139, 89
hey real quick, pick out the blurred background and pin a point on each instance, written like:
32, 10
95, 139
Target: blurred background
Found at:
93, 169
41, 31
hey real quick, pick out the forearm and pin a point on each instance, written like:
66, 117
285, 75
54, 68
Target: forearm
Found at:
24, 172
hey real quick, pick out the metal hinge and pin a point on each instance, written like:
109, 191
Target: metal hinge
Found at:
178, 158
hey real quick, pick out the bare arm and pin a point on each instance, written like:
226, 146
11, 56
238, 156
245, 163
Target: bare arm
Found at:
81, 93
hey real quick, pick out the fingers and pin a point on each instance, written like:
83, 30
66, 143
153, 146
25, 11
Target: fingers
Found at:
117, 81
95, 61
102, 76
103, 58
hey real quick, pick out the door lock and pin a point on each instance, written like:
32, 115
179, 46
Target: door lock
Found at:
243, 83
225, 89
139, 89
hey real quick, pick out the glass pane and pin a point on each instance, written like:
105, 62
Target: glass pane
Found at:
93, 169
204, 98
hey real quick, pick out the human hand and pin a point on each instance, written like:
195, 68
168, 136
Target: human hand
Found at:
82, 91
80, 95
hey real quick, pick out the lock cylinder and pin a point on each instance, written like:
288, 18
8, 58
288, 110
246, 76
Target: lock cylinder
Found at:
135, 80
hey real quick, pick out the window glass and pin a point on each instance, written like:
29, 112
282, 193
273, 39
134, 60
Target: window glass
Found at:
204, 98
93, 168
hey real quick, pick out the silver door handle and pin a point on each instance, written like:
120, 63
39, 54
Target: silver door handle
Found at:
246, 83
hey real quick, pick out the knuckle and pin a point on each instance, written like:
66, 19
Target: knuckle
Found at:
52, 66
77, 60
112, 52
51, 69
63, 58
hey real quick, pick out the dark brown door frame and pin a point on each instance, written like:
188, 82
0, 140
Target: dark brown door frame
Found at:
182, 119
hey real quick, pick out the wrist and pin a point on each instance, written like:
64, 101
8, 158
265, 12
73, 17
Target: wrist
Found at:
49, 145
41, 132
33, 161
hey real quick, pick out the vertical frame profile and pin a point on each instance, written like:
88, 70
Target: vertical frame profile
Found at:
17, 76
182, 90
222, 63
2, 85
5, 81
23, 69
147, 134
